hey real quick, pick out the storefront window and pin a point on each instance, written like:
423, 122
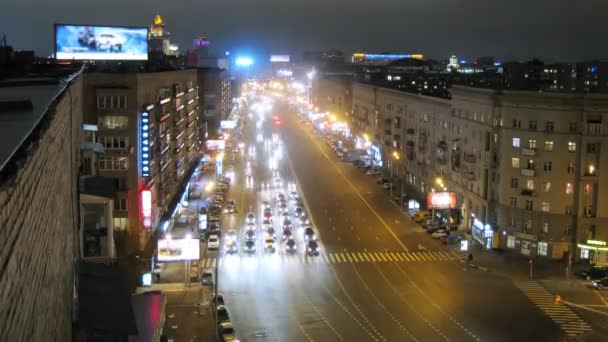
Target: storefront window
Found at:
584, 254
525, 247
511, 242
542, 248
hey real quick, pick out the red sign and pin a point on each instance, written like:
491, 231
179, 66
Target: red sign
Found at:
441, 200
145, 200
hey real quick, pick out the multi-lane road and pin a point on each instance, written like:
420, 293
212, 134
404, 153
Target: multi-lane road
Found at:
377, 278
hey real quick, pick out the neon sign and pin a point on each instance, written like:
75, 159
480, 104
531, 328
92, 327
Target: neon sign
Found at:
145, 144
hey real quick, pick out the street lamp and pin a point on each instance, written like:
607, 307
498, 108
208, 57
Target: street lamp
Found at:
396, 157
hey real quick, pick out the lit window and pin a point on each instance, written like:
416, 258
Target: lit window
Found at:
571, 146
545, 206
530, 184
548, 146
587, 189
516, 142
515, 162
511, 242
532, 144
546, 186
545, 227
591, 170
542, 248
569, 189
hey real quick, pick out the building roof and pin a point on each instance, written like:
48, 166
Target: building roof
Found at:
23, 104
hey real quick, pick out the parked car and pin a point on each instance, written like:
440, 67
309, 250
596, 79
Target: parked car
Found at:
421, 216
450, 239
382, 180
226, 332
207, 276
439, 233
594, 273
601, 284
222, 314
372, 172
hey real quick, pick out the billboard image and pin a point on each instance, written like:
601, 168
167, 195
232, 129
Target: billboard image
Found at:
77, 42
216, 145
441, 200
279, 58
227, 124
178, 249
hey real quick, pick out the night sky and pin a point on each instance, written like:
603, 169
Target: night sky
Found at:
508, 29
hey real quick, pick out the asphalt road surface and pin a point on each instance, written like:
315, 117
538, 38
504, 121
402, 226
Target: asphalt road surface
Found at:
378, 277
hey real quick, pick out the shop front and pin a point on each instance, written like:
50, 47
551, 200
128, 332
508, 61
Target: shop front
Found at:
593, 252
483, 234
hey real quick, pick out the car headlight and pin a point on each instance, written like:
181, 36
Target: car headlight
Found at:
594, 284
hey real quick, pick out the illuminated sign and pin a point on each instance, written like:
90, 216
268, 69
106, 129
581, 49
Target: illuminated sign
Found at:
441, 200
244, 61
89, 42
145, 144
146, 207
227, 124
279, 58
215, 145
596, 242
178, 249
146, 279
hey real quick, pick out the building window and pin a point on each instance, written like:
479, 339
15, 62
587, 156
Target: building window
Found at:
570, 168
593, 148
516, 123
549, 126
113, 122
120, 204
573, 127
532, 124
545, 227
530, 184
514, 183
513, 201
511, 242
546, 186
112, 163
529, 205
571, 146
584, 254
528, 225
111, 101
86, 166
515, 162
113, 142
569, 189
545, 206
516, 142
532, 144
542, 248
587, 189
120, 223
548, 145
548, 166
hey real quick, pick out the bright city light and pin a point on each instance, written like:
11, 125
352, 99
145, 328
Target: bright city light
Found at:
244, 61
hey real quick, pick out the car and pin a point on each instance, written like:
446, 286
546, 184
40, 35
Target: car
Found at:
372, 172
249, 235
222, 314
266, 223
226, 332
290, 245
287, 224
230, 207
213, 243
299, 212
266, 205
231, 235
450, 239
265, 185
434, 228
309, 234
283, 208
269, 245
287, 234
250, 218
250, 246
421, 216
601, 284
110, 42
382, 180
270, 232
207, 276
231, 247
439, 233
267, 214
294, 195
217, 299
250, 226
594, 273
312, 247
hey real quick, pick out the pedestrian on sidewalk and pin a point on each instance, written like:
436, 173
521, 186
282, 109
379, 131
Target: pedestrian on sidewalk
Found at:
470, 259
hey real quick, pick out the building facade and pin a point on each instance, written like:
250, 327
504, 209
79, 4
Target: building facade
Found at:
526, 166
215, 93
148, 125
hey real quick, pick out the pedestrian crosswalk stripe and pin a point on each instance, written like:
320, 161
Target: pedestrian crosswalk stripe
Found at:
354, 255
568, 321
331, 258
363, 257
405, 256
398, 256
388, 256
342, 258
383, 257
433, 256
418, 258
348, 257
371, 256
439, 256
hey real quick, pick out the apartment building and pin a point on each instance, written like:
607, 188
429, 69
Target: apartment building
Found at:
526, 166
147, 126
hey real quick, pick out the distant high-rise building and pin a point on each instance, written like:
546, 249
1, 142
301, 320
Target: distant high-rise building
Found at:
453, 65
158, 39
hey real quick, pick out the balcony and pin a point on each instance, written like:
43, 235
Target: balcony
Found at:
527, 172
527, 192
410, 131
528, 152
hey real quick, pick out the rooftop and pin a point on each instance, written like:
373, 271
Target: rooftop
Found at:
23, 104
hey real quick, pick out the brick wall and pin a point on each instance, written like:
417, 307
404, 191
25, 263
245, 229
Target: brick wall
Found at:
38, 210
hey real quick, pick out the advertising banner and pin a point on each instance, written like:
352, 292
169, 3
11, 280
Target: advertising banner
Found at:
78, 42
215, 145
178, 249
441, 200
227, 124
279, 58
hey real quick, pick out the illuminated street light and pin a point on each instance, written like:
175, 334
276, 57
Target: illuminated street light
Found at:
396, 155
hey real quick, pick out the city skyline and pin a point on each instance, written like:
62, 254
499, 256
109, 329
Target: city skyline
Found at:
544, 29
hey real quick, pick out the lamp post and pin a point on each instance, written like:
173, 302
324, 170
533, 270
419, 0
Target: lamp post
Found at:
395, 156
311, 76
439, 182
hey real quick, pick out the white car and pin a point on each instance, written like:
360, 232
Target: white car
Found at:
439, 233
250, 218
214, 242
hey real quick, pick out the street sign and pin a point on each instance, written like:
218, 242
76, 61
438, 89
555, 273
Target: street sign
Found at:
464, 245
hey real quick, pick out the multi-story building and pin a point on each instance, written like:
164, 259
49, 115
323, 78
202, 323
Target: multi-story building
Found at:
525, 165
148, 126
216, 100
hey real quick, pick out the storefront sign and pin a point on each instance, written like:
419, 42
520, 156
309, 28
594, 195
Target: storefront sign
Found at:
215, 145
525, 236
464, 245
482, 233
441, 200
145, 144
146, 208
596, 242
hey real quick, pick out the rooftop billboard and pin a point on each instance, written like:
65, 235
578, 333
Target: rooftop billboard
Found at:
78, 42
279, 58
441, 200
